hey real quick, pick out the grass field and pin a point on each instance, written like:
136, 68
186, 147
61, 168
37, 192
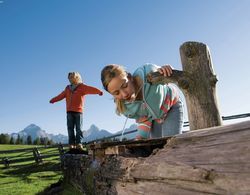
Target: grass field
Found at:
24, 176
14, 147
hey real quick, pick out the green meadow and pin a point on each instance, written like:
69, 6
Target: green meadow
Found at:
24, 175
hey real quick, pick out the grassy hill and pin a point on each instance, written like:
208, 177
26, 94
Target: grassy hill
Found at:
14, 147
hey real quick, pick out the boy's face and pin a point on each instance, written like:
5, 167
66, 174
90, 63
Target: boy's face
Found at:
122, 88
72, 79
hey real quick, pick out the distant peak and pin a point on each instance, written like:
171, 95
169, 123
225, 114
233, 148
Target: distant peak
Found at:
94, 127
32, 126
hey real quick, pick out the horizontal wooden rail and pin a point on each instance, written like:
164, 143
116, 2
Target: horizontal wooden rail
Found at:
26, 155
30, 149
186, 124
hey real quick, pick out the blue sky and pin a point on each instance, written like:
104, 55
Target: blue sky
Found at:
42, 40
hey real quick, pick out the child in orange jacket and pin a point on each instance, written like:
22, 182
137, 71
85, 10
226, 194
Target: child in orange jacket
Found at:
74, 94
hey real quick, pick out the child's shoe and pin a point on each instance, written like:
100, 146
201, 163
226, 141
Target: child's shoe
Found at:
79, 147
81, 150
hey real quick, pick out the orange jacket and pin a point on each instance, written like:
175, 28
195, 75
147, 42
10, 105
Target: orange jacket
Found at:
75, 99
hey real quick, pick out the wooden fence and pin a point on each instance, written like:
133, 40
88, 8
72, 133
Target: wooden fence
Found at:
36, 154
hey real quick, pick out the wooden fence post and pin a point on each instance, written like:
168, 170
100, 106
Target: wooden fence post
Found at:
61, 149
6, 162
200, 96
37, 155
198, 83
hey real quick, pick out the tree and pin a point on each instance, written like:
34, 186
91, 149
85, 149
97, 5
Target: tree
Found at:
44, 140
21, 140
50, 142
4, 138
37, 141
1, 138
12, 140
29, 140
18, 139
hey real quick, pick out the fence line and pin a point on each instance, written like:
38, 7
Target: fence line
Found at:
44, 156
186, 124
31, 148
29, 154
224, 118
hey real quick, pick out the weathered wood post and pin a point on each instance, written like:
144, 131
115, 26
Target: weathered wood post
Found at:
61, 150
37, 155
6, 162
200, 96
197, 81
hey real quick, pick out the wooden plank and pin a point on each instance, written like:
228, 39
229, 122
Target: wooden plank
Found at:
204, 161
135, 148
208, 161
131, 143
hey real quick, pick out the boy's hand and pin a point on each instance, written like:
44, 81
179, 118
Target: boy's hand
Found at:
166, 70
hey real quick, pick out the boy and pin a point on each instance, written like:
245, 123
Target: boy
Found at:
74, 94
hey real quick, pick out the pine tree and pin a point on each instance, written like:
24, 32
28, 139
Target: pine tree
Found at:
21, 140
4, 138
1, 138
29, 140
37, 141
11, 140
50, 142
18, 139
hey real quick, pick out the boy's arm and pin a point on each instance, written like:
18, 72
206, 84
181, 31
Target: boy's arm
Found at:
144, 127
91, 90
58, 98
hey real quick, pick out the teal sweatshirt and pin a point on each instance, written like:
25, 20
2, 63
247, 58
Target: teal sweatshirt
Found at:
157, 100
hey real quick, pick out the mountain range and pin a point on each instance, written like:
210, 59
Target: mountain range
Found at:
35, 131
91, 134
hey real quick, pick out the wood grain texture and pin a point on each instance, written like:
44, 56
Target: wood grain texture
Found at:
208, 161
198, 83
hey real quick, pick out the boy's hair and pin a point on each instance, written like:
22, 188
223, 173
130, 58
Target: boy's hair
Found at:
76, 76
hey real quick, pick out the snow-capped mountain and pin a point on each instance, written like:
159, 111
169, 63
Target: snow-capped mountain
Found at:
35, 132
95, 133
91, 134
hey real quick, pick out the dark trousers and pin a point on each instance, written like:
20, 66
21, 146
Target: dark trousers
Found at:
74, 121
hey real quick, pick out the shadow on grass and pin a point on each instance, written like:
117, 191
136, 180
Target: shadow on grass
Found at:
31, 168
34, 171
60, 188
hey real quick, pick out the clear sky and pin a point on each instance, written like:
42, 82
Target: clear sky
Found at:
42, 40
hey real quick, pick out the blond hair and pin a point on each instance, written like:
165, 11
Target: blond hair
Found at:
108, 73
75, 77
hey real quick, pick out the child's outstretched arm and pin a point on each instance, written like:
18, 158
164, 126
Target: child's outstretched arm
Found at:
91, 90
58, 98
